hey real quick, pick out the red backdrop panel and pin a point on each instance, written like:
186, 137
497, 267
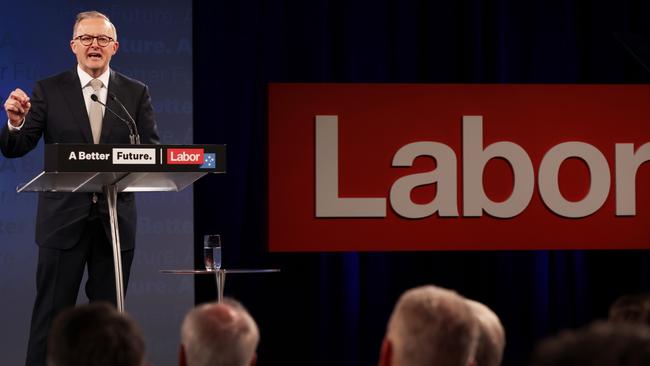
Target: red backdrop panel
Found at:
376, 120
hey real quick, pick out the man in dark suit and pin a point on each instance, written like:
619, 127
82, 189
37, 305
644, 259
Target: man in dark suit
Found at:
72, 229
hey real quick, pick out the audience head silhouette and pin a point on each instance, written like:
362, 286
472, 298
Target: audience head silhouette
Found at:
633, 308
492, 336
219, 334
430, 326
599, 344
95, 334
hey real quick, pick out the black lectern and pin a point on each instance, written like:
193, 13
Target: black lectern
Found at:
124, 168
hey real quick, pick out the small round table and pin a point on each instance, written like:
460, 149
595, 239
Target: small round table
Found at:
220, 275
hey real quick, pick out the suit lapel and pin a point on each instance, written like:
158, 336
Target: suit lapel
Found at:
73, 95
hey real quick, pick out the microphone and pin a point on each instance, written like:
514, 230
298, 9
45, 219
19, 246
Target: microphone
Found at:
132, 134
135, 127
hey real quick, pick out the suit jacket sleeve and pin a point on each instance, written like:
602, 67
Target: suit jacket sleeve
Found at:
14, 144
145, 120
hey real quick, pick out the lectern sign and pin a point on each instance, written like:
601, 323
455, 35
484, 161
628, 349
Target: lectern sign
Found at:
426, 167
134, 158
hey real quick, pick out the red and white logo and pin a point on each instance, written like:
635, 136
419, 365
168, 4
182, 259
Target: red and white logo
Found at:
185, 156
368, 167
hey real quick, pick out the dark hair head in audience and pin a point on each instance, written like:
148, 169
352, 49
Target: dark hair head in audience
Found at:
599, 344
631, 308
95, 334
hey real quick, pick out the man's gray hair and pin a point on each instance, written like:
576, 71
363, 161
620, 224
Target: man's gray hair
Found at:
89, 15
219, 334
432, 326
492, 335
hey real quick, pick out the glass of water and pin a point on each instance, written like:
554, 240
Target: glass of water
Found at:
212, 252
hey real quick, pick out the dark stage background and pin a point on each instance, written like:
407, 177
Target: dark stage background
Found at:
331, 309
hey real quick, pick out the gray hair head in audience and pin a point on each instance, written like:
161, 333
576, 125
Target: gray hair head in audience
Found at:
492, 335
219, 334
430, 326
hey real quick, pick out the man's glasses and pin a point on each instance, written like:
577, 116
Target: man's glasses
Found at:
87, 40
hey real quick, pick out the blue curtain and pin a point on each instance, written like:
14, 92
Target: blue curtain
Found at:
331, 309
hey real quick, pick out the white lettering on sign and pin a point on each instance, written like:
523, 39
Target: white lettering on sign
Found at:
475, 158
627, 164
184, 157
328, 202
444, 176
82, 155
134, 156
549, 186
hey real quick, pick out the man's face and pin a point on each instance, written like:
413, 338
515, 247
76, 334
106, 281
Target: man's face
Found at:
94, 59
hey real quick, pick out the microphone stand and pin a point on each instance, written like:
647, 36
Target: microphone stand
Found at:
134, 137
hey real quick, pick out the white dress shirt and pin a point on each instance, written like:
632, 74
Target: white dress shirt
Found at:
85, 79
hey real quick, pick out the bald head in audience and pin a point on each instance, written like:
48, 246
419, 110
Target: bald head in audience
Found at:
219, 334
492, 336
430, 326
